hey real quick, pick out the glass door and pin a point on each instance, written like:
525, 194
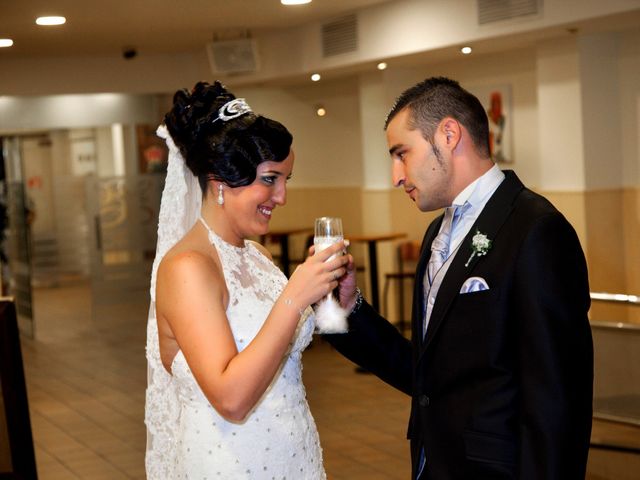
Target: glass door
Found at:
18, 241
124, 215
82, 233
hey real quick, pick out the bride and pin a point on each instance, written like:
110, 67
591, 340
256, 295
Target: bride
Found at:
226, 331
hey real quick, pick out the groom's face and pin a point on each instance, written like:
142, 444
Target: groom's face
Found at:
421, 168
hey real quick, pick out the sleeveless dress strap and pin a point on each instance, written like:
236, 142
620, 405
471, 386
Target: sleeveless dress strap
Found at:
205, 225
221, 244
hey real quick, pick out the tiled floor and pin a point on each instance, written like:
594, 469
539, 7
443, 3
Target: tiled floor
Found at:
86, 378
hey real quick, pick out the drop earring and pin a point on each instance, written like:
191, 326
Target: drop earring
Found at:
220, 196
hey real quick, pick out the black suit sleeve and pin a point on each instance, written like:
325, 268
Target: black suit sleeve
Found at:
376, 345
555, 352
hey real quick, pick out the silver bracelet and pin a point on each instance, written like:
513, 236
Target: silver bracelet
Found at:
289, 302
358, 304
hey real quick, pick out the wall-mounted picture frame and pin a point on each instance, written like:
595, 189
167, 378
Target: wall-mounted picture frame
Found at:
17, 457
153, 153
497, 102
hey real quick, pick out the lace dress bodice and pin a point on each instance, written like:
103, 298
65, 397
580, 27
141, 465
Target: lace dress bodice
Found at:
278, 439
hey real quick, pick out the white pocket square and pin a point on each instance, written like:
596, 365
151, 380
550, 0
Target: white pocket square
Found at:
474, 284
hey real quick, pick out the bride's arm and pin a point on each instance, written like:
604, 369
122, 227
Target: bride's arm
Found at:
190, 296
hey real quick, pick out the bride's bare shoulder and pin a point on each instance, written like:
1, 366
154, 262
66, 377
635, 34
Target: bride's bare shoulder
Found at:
192, 254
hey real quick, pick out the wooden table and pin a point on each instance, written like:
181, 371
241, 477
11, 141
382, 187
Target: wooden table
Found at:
372, 247
282, 237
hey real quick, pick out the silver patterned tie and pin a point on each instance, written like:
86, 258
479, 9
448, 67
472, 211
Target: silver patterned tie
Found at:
440, 245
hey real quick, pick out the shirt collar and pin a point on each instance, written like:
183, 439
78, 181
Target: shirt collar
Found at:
477, 192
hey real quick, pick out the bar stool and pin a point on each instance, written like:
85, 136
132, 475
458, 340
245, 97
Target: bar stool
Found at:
408, 254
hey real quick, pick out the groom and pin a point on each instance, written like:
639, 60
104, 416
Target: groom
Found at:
500, 365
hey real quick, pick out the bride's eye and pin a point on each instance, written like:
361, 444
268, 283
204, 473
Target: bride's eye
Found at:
269, 180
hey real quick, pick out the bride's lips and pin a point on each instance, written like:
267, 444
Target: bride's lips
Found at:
265, 211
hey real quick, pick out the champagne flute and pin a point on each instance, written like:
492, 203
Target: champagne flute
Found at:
328, 230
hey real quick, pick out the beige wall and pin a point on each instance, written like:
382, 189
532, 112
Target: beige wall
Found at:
608, 225
306, 204
614, 237
631, 222
328, 150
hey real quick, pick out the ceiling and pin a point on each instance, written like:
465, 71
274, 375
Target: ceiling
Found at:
107, 27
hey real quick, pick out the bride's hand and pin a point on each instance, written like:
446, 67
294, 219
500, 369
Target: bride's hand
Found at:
317, 276
347, 283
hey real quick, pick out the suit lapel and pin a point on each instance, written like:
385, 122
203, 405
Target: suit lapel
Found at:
489, 222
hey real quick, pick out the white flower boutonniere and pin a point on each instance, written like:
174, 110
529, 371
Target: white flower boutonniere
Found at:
480, 245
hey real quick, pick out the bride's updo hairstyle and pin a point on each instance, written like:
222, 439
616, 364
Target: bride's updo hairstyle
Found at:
230, 150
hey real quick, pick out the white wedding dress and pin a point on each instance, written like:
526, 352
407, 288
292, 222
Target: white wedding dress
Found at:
186, 437
278, 439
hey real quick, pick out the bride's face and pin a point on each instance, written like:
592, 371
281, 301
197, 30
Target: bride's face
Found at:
249, 208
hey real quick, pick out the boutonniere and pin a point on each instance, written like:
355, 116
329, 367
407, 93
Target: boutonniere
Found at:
480, 245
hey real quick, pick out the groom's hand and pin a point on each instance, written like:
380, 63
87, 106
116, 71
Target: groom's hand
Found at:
347, 284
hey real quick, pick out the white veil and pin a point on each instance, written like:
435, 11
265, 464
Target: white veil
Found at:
179, 210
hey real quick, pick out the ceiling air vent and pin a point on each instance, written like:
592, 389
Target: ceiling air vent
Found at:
340, 36
233, 56
496, 10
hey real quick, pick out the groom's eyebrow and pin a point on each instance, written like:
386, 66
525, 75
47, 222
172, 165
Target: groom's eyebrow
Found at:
395, 148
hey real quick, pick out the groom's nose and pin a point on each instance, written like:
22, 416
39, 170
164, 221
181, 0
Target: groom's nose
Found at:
398, 175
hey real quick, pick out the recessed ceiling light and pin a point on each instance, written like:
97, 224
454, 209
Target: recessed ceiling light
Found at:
321, 111
382, 65
466, 50
51, 20
294, 2
5, 42
315, 77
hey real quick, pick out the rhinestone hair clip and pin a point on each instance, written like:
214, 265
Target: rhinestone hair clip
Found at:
232, 109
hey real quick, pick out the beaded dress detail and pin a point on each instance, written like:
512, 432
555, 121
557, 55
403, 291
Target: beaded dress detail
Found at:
278, 439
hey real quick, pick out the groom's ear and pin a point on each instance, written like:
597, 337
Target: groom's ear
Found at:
451, 132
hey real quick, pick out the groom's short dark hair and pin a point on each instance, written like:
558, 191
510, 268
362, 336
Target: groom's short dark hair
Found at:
438, 97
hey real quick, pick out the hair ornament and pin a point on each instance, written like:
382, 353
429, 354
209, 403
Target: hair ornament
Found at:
232, 109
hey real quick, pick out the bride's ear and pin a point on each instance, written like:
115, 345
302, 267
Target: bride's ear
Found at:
212, 188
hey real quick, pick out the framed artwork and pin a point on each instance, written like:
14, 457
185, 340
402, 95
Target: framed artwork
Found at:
152, 150
496, 101
17, 458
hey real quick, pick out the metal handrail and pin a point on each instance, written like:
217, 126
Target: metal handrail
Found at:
615, 298
615, 325
629, 300
619, 298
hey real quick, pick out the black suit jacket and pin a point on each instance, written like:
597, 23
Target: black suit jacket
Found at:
501, 386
